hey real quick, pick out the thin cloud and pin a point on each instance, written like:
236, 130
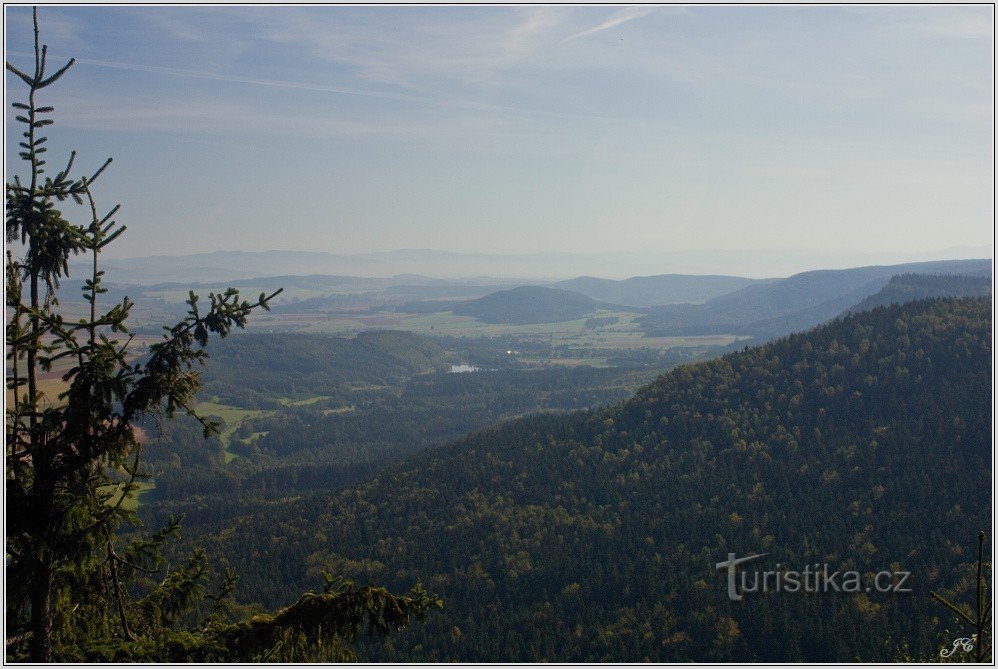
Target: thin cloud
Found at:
322, 88
622, 16
210, 76
429, 46
522, 38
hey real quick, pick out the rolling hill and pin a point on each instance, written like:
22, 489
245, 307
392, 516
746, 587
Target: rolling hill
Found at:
523, 305
793, 304
652, 291
281, 363
862, 445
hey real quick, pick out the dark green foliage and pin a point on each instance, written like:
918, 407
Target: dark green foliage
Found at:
908, 287
181, 440
313, 629
976, 622
593, 536
300, 450
303, 365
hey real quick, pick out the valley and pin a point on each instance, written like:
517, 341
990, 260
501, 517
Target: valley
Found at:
579, 464
578, 524
308, 417
499, 334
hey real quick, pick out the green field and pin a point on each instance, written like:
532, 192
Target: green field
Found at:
301, 403
625, 334
233, 417
131, 503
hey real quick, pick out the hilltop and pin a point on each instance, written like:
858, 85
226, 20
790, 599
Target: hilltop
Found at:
523, 305
909, 287
651, 291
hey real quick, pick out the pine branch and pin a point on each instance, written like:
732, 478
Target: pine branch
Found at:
952, 607
321, 617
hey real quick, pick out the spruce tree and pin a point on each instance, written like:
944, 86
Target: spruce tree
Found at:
76, 589
977, 622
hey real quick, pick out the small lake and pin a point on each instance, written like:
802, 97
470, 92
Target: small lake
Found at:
461, 369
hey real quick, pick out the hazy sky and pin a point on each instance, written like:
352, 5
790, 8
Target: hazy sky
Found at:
518, 129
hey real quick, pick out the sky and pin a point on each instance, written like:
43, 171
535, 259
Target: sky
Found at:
526, 129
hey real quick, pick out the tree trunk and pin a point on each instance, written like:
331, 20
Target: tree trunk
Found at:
40, 643
42, 572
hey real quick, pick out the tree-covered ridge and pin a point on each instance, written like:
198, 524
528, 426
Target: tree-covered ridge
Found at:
909, 287
651, 291
313, 447
293, 365
863, 443
523, 305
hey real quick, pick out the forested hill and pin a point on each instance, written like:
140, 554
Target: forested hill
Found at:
864, 444
908, 287
530, 304
283, 364
650, 291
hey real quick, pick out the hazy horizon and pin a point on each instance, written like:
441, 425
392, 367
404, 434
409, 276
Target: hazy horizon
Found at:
841, 132
539, 266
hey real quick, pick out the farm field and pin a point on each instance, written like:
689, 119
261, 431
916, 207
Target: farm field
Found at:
234, 417
624, 334
50, 382
134, 499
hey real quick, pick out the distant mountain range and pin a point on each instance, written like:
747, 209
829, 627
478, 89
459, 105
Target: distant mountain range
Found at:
801, 301
528, 267
759, 308
651, 291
